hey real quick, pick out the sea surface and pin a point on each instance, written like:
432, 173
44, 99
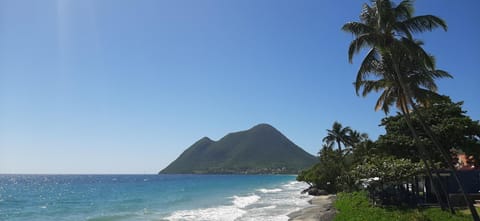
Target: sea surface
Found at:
149, 197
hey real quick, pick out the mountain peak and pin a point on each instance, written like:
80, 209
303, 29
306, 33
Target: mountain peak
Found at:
263, 126
206, 139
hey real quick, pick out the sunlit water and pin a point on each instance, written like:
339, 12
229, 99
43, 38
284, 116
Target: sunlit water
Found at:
149, 197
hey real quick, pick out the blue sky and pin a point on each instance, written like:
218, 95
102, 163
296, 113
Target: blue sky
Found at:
119, 86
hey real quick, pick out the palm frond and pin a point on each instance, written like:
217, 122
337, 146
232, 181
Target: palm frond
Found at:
355, 46
356, 28
424, 23
384, 13
402, 103
381, 101
369, 64
401, 28
424, 97
441, 74
404, 10
368, 14
389, 101
371, 85
413, 48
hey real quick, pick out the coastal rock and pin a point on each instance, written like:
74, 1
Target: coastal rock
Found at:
314, 191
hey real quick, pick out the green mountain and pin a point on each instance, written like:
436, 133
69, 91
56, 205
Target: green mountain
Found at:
261, 149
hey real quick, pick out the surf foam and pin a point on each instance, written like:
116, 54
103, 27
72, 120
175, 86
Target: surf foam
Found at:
221, 213
271, 204
276, 190
244, 201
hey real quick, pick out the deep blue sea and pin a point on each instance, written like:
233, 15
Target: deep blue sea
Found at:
149, 197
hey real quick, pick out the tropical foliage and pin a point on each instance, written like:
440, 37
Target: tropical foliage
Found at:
393, 158
450, 124
324, 174
397, 66
384, 170
332, 172
420, 139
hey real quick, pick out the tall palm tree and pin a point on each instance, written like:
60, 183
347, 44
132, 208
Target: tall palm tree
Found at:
385, 28
419, 79
337, 135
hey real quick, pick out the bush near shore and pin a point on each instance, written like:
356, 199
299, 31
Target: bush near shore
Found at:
356, 206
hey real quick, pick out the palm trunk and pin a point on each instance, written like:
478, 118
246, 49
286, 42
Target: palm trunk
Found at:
407, 92
422, 154
405, 111
442, 187
448, 161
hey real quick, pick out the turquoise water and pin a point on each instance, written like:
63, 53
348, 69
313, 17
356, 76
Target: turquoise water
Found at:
149, 197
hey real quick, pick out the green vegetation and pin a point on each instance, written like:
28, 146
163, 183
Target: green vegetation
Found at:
393, 158
449, 123
420, 139
260, 150
404, 74
356, 206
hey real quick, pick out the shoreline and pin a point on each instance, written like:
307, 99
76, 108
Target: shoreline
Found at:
321, 209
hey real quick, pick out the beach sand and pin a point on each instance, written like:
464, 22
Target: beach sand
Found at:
321, 209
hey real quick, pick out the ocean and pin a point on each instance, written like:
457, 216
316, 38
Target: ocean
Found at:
149, 197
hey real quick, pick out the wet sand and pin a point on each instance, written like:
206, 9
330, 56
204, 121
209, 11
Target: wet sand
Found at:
321, 210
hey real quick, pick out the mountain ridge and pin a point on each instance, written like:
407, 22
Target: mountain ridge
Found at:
260, 149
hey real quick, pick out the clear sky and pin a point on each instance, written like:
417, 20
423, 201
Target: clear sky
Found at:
121, 86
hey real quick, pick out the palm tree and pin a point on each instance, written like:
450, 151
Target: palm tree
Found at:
419, 79
338, 135
386, 29
356, 137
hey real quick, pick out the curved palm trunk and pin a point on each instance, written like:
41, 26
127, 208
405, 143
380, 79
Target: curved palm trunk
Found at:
443, 188
472, 209
448, 161
423, 154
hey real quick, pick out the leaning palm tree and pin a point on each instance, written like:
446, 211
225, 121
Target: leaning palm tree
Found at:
337, 135
384, 28
419, 79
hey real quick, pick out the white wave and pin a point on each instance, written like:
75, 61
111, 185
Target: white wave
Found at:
276, 190
267, 218
221, 213
292, 184
244, 201
269, 207
295, 185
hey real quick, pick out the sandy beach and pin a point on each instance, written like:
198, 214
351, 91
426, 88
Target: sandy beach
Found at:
321, 210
